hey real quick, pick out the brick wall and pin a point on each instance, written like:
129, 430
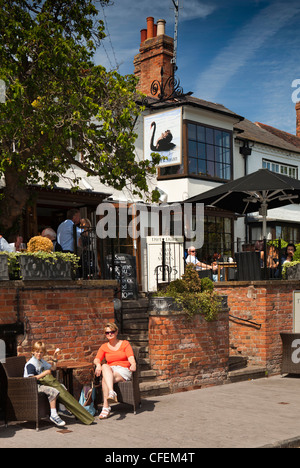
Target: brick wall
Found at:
268, 308
188, 353
68, 315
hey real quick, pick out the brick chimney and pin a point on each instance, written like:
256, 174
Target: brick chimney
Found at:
156, 51
297, 107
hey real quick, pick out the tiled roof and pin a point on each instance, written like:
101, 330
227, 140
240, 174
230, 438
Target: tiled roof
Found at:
257, 133
289, 137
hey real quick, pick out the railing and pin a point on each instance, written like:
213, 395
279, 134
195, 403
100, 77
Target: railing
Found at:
239, 260
243, 261
88, 253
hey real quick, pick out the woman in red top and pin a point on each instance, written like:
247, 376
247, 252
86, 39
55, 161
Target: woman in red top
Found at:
120, 363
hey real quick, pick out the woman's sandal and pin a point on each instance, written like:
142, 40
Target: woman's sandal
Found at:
112, 397
105, 413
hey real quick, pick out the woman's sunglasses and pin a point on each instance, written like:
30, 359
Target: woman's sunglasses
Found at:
110, 332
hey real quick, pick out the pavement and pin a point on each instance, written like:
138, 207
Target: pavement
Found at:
251, 414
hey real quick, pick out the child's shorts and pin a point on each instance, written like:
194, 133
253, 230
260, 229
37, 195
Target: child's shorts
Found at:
51, 392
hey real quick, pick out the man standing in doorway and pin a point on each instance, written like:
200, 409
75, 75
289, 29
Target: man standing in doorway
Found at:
65, 231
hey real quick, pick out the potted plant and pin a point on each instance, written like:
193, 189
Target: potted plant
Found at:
190, 294
41, 263
291, 270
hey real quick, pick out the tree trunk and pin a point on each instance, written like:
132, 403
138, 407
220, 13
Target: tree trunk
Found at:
15, 199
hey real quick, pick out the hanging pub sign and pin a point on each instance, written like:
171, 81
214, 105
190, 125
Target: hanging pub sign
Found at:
163, 135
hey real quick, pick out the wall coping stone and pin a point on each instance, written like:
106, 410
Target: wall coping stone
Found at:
221, 284
78, 284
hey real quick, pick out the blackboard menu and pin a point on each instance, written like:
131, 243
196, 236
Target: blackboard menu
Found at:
125, 273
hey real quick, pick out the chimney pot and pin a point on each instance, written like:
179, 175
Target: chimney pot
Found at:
143, 35
161, 23
150, 27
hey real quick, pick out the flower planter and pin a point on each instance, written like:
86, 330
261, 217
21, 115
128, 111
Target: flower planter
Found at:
163, 303
166, 303
293, 272
4, 275
34, 269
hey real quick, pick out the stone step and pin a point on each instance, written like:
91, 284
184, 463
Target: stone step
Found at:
135, 305
144, 363
147, 374
154, 388
249, 373
135, 327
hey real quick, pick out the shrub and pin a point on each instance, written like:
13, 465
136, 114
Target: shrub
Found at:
195, 296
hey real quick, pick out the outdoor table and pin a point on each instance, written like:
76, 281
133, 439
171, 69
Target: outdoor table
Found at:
225, 266
67, 368
290, 353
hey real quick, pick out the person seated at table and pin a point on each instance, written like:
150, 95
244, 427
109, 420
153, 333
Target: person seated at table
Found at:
289, 253
120, 363
5, 246
51, 234
191, 258
273, 261
38, 368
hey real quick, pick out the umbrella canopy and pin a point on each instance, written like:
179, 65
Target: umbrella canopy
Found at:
258, 191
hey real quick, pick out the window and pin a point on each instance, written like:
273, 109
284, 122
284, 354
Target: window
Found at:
284, 169
218, 234
209, 151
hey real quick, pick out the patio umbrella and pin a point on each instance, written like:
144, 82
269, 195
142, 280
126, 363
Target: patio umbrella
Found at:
259, 191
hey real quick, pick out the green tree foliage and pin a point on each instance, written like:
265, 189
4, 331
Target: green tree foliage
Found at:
56, 95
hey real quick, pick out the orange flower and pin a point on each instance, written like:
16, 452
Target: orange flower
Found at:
40, 244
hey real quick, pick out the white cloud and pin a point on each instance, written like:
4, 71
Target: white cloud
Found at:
243, 46
125, 19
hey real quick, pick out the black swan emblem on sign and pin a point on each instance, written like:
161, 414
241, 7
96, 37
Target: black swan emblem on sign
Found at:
164, 142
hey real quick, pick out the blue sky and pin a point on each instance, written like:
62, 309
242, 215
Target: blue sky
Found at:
243, 54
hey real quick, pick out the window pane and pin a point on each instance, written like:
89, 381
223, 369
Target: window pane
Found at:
226, 156
201, 150
218, 138
219, 170
209, 136
200, 133
192, 149
227, 172
219, 154
227, 225
210, 168
202, 166
192, 132
193, 166
210, 151
226, 139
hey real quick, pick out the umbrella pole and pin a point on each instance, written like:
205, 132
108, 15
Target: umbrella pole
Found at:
263, 211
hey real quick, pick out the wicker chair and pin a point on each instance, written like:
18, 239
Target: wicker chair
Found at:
129, 392
21, 400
